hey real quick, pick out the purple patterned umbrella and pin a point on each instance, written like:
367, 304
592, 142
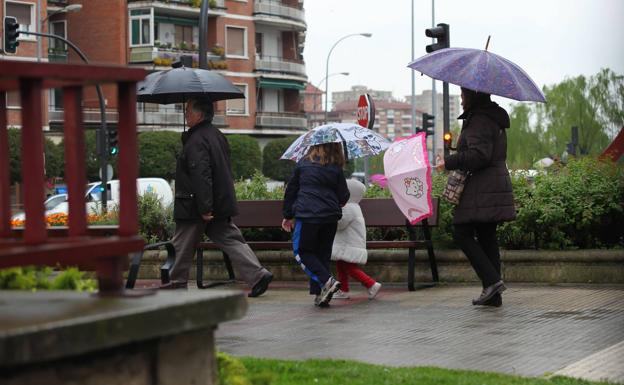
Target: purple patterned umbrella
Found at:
479, 70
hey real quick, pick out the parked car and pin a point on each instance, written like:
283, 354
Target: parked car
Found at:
93, 196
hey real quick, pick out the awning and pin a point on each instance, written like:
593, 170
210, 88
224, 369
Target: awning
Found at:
176, 20
281, 83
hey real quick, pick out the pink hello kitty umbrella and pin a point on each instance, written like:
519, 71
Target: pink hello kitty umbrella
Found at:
407, 169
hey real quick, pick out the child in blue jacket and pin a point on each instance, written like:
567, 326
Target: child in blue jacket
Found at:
312, 207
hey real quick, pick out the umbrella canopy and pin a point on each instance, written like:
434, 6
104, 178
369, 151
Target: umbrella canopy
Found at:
408, 173
359, 141
177, 85
479, 70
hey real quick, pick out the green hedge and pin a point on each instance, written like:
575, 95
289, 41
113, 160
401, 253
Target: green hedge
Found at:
245, 155
274, 167
54, 157
158, 152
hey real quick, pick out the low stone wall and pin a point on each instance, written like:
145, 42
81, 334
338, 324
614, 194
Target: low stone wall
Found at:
63, 338
539, 266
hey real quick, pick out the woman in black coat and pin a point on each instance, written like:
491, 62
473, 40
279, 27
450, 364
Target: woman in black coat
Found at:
487, 199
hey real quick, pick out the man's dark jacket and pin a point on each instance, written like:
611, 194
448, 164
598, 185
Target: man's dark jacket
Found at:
204, 181
482, 151
315, 193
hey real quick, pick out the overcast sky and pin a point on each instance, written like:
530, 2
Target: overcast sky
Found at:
549, 39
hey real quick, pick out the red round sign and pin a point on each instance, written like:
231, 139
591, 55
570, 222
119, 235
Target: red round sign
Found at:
366, 111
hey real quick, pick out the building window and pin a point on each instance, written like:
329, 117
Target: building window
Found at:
25, 15
58, 28
236, 42
141, 27
184, 36
237, 106
258, 44
13, 99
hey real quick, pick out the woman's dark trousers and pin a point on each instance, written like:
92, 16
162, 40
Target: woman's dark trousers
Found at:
478, 241
312, 244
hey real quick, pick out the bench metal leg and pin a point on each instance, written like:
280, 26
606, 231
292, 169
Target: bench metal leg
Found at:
228, 266
432, 262
200, 271
133, 272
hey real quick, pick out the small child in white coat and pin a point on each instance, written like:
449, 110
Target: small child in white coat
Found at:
349, 249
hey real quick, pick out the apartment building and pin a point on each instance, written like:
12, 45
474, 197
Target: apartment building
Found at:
392, 119
257, 44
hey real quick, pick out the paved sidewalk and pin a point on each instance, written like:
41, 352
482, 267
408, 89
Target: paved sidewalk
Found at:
539, 330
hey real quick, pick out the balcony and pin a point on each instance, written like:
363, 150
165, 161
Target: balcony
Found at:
168, 118
89, 115
281, 120
56, 55
270, 9
164, 56
279, 64
180, 5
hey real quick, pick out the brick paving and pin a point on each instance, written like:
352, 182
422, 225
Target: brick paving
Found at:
540, 329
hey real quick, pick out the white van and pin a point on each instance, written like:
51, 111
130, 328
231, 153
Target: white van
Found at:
93, 196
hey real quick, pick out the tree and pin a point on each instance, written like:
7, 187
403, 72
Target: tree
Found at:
158, 152
245, 155
274, 167
53, 153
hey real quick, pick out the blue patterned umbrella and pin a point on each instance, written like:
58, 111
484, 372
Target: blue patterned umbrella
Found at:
359, 141
479, 70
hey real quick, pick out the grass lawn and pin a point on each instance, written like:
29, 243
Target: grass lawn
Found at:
339, 372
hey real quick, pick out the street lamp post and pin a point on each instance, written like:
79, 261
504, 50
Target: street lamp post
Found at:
68, 8
322, 80
327, 65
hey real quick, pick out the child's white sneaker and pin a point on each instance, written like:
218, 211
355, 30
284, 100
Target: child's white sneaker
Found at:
373, 290
341, 295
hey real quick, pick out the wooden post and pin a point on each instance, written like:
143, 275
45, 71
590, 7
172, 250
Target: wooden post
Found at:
5, 171
75, 172
128, 159
32, 160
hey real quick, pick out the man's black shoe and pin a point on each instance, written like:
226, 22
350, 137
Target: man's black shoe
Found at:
262, 286
496, 301
489, 292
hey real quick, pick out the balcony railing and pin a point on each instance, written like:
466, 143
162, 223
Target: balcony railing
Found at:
187, 3
279, 64
165, 56
89, 115
57, 56
169, 118
277, 8
281, 120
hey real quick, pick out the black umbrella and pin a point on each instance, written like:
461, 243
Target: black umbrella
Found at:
178, 85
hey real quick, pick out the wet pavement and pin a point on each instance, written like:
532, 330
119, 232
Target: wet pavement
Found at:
572, 330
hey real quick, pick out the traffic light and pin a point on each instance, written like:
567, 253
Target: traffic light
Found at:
10, 34
441, 33
112, 140
427, 123
448, 140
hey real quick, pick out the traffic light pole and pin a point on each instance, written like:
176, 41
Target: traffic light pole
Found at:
445, 112
103, 153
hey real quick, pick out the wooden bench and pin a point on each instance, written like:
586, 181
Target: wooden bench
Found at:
377, 213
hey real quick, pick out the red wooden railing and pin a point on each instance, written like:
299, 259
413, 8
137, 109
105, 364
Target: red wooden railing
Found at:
107, 255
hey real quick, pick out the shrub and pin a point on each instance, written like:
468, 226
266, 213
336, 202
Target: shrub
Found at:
580, 205
54, 157
42, 278
155, 221
158, 152
245, 156
274, 167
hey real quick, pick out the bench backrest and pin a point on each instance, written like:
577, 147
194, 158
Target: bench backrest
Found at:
382, 212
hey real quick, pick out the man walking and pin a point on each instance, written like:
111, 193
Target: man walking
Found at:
205, 202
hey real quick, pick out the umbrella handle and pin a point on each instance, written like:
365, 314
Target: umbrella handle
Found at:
344, 146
